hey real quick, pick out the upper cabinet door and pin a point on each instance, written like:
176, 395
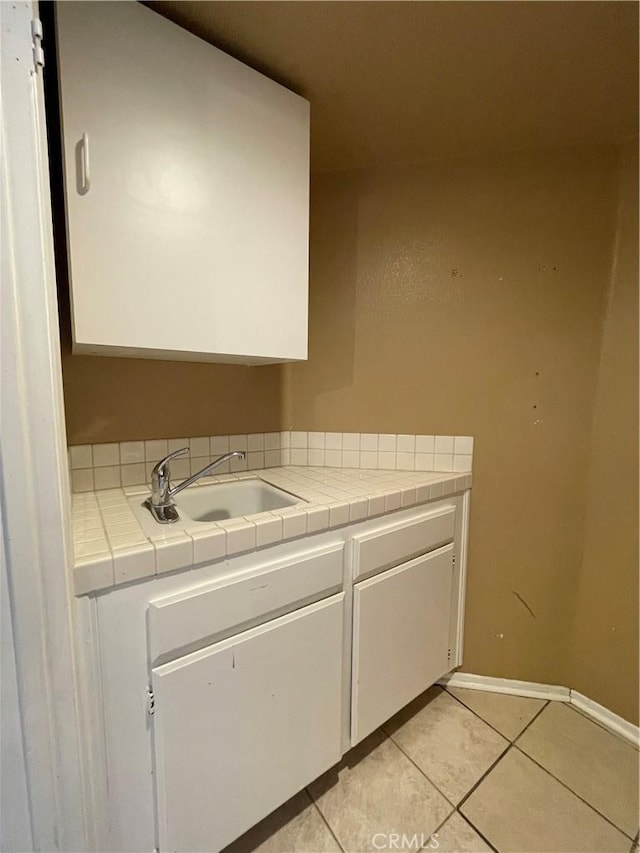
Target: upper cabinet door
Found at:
187, 192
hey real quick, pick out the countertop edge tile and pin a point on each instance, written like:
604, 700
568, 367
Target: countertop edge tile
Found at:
134, 562
93, 573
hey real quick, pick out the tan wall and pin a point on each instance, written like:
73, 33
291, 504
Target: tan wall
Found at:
605, 640
118, 399
466, 297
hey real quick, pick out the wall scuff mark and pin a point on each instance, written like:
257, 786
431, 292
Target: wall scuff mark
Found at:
523, 602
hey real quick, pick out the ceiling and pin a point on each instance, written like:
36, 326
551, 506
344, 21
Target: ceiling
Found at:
400, 82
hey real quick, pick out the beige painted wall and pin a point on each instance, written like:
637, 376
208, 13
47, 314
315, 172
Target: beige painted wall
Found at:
118, 399
604, 664
467, 297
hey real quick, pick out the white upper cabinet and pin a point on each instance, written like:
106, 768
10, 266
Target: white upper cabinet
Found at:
187, 193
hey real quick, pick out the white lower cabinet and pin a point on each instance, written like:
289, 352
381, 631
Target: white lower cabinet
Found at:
264, 670
244, 724
401, 620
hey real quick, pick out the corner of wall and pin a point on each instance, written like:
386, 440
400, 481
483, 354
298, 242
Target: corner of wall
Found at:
286, 396
603, 653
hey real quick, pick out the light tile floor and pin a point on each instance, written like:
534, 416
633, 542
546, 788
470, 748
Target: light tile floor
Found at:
464, 770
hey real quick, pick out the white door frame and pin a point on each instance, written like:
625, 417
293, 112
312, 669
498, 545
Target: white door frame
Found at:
34, 482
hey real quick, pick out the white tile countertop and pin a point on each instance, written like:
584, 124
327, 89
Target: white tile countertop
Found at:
111, 548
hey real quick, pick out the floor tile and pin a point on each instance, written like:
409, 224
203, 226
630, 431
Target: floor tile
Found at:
599, 766
508, 714
296, 827
456, 836
449, 743
376, 791
520, 807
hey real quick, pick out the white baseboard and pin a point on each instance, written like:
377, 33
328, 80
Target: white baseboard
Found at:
606, 718
506, 685
555, 692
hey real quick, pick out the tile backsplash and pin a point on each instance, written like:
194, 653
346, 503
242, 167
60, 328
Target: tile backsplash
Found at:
129, 463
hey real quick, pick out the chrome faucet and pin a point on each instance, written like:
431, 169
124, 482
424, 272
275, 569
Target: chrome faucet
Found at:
162, 492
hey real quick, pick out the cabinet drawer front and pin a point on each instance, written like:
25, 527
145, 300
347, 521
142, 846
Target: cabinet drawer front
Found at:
212, 611
243, 725
396, 543
400, 637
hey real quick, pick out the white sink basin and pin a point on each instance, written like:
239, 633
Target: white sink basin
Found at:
230, 500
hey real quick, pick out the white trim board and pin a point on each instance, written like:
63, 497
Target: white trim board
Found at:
45, 741
506, 685
606, 718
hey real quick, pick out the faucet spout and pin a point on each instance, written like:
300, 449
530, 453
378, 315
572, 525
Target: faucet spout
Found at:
239, 454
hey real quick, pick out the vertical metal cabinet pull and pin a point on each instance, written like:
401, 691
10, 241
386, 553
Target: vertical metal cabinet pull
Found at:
86, 173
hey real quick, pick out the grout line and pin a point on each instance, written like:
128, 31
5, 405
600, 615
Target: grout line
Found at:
324, 820
533, 719
555, 777
429, 780
500, 757
571, 791
387, 736
484, 776
442, 823
475, 829
438, 828
510, 740
466, 820
489, 769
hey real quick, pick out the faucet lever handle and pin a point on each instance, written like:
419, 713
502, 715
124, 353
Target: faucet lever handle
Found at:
159, 468
160, 484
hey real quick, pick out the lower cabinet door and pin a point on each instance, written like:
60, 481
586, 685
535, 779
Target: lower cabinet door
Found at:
400, 637
241, 726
